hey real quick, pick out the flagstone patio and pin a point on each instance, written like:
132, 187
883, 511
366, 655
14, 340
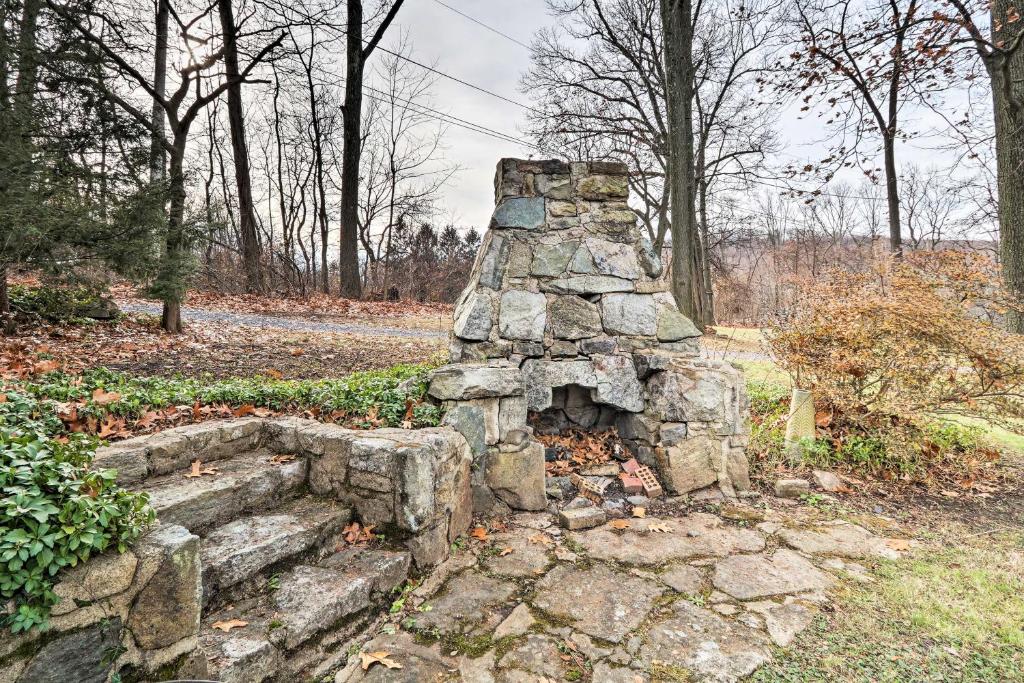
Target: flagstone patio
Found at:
694, 598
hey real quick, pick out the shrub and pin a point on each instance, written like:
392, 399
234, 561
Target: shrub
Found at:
888, 352
55, 511
58, 304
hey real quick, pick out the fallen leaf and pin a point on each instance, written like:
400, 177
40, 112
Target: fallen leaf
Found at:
505, 551
229, 624
282, 458
297, 351
541, 539
899, 544
198, 470
639, 512
45, 366
103, 398
276, 374
368, 659
618, 524
242, 411
479, 533
660, 527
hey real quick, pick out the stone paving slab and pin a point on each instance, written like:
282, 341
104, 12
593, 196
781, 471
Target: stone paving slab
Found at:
697, 535
703, 599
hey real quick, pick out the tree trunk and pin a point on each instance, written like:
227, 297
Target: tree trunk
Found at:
176, 249
678, 43
705, 261
1007, 74
5, 301
892, 195
348, 257
246, 209
157, 153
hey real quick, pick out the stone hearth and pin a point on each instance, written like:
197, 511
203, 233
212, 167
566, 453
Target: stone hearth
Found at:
567, 316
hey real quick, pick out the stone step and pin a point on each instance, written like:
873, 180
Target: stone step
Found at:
244, 483
299, 626
242, 550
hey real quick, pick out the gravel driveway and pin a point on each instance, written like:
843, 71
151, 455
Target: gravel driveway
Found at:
189, 314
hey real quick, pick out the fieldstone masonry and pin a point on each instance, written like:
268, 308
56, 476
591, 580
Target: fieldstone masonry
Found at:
568, 320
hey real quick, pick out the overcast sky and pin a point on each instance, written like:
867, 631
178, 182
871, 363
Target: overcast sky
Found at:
467, 51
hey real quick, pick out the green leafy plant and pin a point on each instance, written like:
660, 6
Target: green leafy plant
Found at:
54, 514
367, 399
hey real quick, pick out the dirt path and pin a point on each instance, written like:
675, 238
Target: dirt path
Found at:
189, 313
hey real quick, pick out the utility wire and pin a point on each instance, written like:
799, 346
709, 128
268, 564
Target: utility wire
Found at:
480, 23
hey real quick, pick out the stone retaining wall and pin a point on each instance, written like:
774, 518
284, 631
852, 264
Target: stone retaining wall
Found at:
140, 609
414, 483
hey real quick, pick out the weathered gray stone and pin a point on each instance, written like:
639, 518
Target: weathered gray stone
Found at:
541, 375
242, 483
522, 315
102, 576
242, 548
518, 556
469, 421
709, 647
552, 259
690, 465
606, 673
696, 535
528, 348
673, 326
167, 610
518, 478
572, 317
312, 598
575, 519
792, 488
613, 258
746, 577
511, 415
467, 600
516, 623
783, 621
616, 383
828, 481
80, 656
553, 186
387, 568
538, 655
469, 381
629, 314
683, 578
692, 390
587, 284
583, 261
603, 187
841, 539
419, 663
519, 212
598, 601
649, 259
561, 209
237, 658
494, 260
474, 318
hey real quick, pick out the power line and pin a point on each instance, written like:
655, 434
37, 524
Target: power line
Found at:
459, 80
480, 23
443, 117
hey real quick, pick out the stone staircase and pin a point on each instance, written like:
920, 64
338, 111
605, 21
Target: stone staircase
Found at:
269, 501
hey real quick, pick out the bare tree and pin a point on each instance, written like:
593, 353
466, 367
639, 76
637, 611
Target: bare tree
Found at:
866, 63
170, 279
996, 33
352, 112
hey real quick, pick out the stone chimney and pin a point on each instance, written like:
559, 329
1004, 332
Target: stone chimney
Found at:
566, 321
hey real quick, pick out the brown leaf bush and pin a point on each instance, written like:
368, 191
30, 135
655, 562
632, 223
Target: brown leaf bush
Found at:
889, 351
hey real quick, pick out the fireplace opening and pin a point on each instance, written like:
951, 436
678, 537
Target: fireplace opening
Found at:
572, 409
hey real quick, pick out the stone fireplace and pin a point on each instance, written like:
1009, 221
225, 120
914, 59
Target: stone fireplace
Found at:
567, 322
